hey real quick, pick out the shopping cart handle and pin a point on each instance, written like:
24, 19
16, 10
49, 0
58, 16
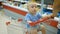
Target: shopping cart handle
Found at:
38, 21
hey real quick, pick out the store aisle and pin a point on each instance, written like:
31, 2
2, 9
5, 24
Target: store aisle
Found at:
14, 27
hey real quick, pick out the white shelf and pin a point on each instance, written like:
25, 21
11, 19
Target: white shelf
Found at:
20, 8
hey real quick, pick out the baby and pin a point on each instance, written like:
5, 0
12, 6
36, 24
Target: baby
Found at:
32, 17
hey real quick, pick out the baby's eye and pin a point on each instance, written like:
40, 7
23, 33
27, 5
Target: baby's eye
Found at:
35, 6
32, 6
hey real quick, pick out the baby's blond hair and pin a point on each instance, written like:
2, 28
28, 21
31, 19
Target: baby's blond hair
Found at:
30, 3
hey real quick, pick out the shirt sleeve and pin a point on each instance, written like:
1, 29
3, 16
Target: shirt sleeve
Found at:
27, 18
39, 15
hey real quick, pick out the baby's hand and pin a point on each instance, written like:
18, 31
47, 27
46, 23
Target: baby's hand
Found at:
31, 23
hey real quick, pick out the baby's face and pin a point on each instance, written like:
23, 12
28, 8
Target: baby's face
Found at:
32, 8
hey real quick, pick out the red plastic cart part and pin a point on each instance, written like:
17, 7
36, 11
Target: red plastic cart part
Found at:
38, 21
19, 20
7, 23
52, 22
